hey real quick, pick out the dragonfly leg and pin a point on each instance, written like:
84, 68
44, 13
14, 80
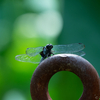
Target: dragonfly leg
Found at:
52, 53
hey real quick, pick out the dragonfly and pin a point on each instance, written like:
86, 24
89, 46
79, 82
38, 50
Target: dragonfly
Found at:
38, 54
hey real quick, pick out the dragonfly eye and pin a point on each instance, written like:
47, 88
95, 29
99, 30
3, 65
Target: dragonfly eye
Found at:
49, 46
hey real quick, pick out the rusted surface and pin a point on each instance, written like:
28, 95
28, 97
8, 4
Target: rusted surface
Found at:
65, 62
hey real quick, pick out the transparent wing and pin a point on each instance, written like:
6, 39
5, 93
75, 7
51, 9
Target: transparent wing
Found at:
26, 58
33, 51
80, 53
70, 48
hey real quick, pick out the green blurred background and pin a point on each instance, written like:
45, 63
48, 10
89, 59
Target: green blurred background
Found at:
32, 23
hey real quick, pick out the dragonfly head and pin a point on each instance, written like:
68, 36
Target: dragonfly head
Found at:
49, 46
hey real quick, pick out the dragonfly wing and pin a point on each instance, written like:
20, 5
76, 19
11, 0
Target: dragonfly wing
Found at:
33, 51
80, 53
70, 48
27, 58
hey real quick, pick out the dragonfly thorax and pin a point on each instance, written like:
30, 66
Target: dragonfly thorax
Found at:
47, 51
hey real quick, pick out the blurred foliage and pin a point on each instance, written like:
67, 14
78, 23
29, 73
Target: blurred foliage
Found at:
30, 23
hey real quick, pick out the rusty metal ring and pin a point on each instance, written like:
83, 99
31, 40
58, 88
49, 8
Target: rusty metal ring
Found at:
65, 62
